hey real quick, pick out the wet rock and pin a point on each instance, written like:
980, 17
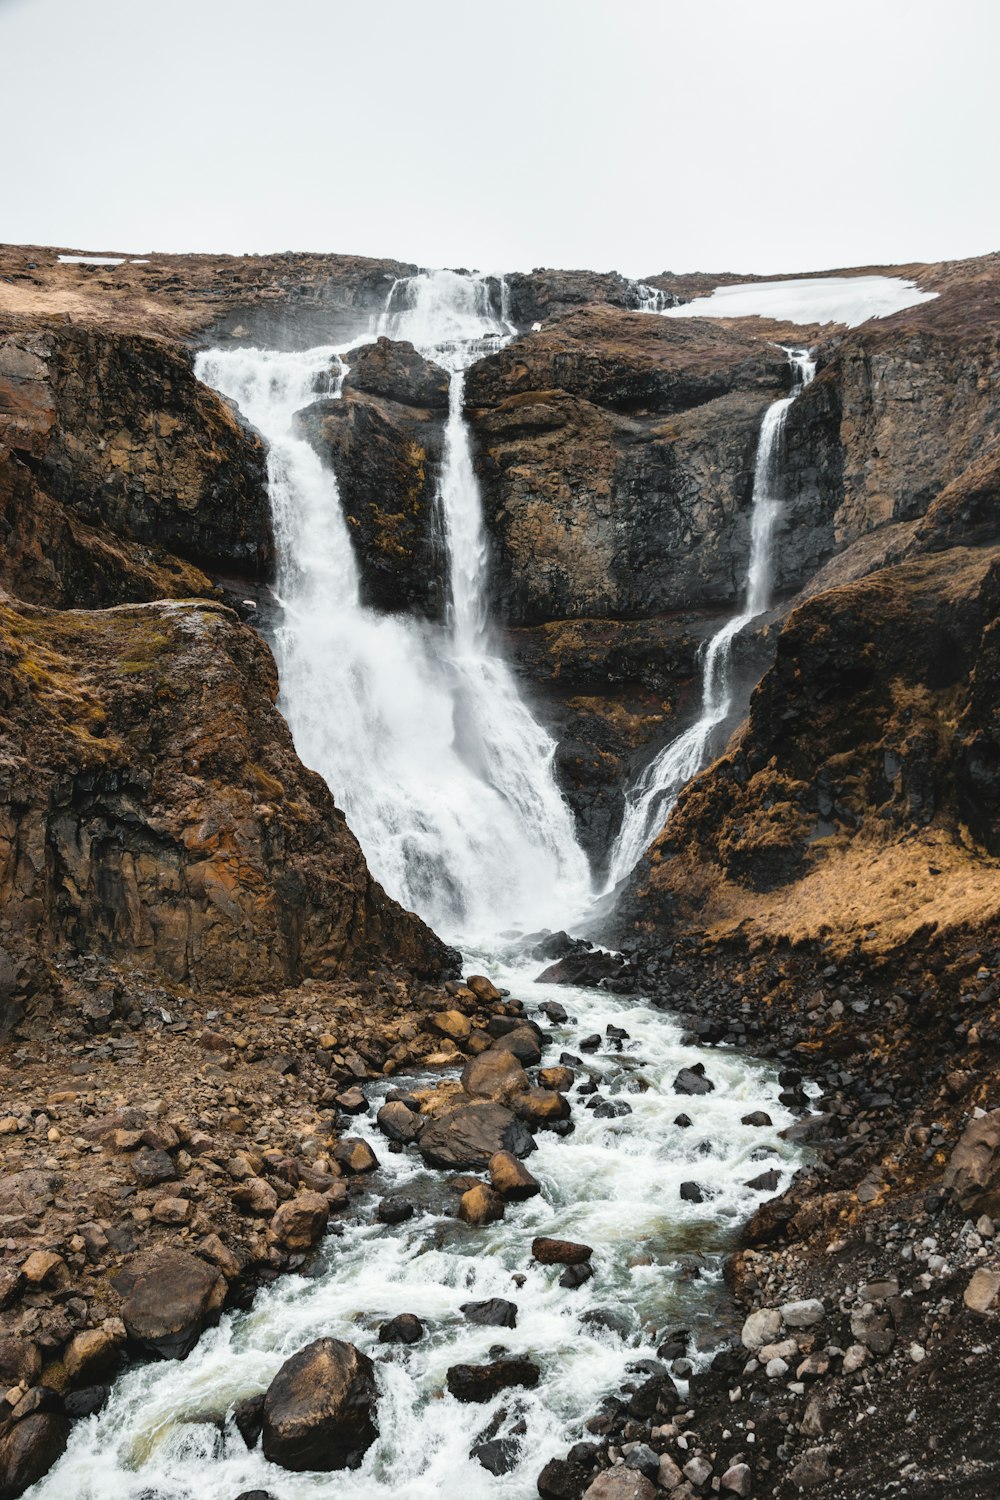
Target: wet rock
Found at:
496, 1312
496, 1075
523, 1043
511, 1177
248, 1417
693, 1081
540, 1107
484, 989
320, 1408
560, 1480
691, 1192
765, 1182
612, 1109
355, 1155
683, 1122
586, 969
28, 1449
467, 1136
552, 1010
93, 1353
559, 1079
480, 1205
552, 1252
620, 1484
497, 1455
86, 1402
590, 1043
300, 1222
757, 1117
575, 1276
405, 1328
399, 1122
351, 1101
482, 1382
394, 1211
172, 1298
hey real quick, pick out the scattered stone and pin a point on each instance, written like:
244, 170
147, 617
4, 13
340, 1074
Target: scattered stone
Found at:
803, 1314
394, 1211
172, 1211
320, 1408
738, 1480
813, 1468
761, 1327
351, 1102
758, 1118
620, 1484
698, 1470
45, 1268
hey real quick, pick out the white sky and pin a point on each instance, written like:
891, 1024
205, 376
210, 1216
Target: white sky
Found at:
645, 135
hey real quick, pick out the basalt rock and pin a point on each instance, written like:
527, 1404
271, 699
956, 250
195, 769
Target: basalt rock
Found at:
144, 754
320, 1408
384, 440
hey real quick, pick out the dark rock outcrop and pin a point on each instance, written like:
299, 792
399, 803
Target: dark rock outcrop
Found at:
153, 808
384, 439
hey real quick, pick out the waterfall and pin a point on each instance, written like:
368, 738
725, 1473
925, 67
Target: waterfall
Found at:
649, 801
419, 729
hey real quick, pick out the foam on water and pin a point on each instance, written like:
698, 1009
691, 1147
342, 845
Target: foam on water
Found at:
613, 1184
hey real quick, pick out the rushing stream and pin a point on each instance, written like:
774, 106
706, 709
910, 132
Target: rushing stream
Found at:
447, 780
167, 1431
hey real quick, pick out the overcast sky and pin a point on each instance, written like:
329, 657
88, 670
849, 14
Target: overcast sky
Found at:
646, 135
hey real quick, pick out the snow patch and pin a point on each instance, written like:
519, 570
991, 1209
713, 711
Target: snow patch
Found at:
809, 299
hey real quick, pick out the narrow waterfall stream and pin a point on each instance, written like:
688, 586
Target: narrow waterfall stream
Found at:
447, 781
167, 1432
648, 802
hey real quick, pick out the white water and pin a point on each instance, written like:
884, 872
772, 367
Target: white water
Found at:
613, 1184
419, 729
648, 802
807, 299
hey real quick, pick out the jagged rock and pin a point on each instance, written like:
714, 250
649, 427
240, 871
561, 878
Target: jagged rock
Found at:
392, 368
320, 1408
20, 1359
170, 1298
560, 1480
465, 1137
248, 1418
355, 1155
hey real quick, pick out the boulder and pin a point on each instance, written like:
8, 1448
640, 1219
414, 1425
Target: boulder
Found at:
693, 1081
466, 1136
300, 1222
393, 369
982, 1292
399, 1122
172, 1298
496, 1312
93, 1354
355, 1155
550, 1252
972, 1175
28, 1449
562, 1480
480, 1205
20, 1359
495, 1074
541, 1107
406, 1328
760, 1328
482, 1382
803, 1314
511, 1177
560, 1079
452, 1024
484, 989
320, 1408
248, 1418
523, 1043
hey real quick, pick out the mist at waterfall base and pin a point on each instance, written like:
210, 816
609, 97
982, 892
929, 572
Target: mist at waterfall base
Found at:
419, 729
168, 1432
649, 800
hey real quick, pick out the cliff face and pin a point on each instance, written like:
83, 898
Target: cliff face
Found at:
119, 430
154, 810
861, 799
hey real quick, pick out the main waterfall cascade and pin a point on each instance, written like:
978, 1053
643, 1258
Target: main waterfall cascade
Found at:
420, 731
648, 802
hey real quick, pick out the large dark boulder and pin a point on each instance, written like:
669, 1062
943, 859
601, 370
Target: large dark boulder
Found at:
28, 1449
171, 1298
395, 370
466, 1137
482, 1382
320, 1408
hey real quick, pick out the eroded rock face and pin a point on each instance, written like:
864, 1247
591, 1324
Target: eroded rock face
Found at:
154, 808
386, 455
320, 1408
123, 435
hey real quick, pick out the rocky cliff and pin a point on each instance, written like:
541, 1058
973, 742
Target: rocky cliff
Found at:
154, 810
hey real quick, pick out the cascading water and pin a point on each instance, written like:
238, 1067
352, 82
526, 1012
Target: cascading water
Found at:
649, 801
419, 730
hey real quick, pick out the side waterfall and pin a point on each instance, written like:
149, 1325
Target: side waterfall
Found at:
419, 730
649, 801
